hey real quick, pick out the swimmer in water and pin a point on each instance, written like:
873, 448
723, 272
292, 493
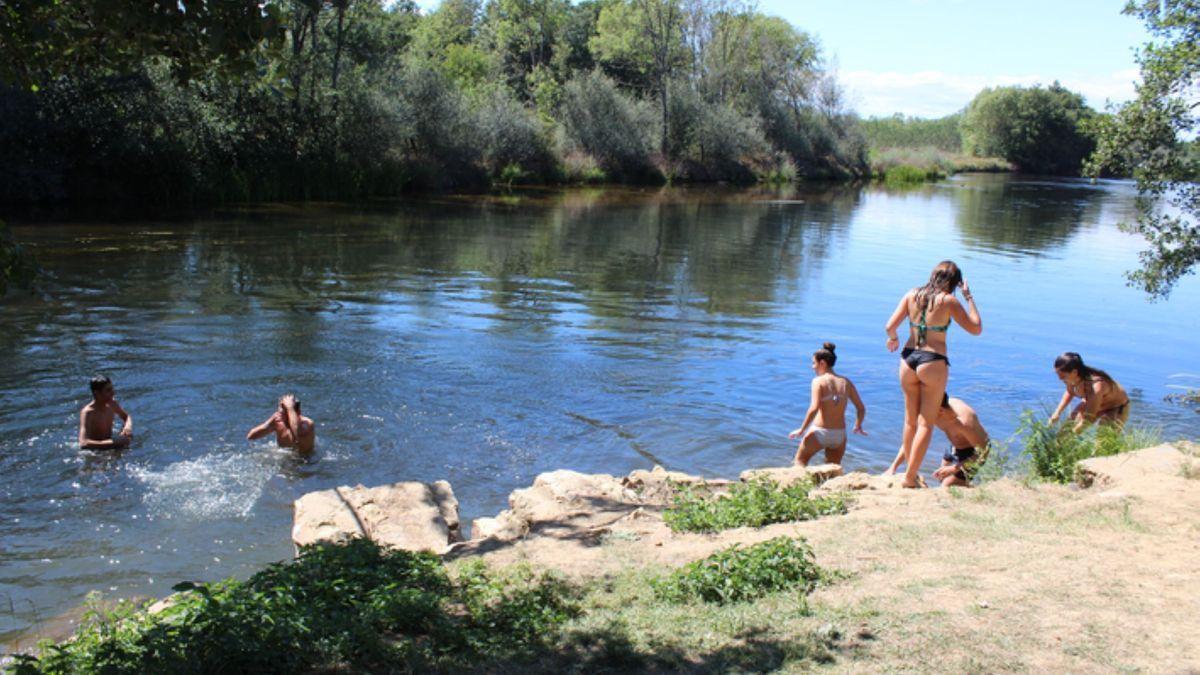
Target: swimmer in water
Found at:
827, 411
96, 419
292, 430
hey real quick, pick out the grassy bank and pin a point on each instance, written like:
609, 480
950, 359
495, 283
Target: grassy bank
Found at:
901, 165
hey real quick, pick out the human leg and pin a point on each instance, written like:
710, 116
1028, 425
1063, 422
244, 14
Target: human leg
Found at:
809, 446
910, 384
932, 378
835, 454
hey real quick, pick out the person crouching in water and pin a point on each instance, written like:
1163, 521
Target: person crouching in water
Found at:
827, 411
292, 430
1103, 398
968, 443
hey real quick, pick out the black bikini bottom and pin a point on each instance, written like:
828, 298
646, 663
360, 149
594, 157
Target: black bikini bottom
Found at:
916, 357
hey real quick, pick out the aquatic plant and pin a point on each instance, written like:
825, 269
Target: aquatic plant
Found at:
736, 574
752, 504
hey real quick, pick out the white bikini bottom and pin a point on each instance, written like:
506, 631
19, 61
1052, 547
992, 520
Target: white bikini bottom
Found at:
829, 438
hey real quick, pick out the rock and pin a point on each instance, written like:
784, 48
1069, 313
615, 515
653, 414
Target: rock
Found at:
787, 475
1107, 471
323, 516
504, 526
407, 515
657, 487
859, 480
163, 604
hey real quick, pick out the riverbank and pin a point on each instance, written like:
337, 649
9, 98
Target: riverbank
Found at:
1010, 575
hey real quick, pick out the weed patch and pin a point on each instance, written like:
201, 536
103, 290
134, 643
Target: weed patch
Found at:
354, 606
1054, 451
737, 574
752, 504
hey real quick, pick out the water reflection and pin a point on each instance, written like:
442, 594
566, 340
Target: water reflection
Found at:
1026, 215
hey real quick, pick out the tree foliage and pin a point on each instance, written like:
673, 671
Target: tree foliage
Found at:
1149, 138
1040, 129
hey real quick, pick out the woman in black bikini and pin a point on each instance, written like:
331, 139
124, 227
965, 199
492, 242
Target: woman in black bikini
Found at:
924, 367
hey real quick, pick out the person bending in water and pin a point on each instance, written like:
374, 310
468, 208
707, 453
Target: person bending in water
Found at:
827, 411
1103, 398
924, 365
96, 419
968, 443
292, 430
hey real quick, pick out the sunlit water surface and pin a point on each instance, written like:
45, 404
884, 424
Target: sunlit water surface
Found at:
486, 339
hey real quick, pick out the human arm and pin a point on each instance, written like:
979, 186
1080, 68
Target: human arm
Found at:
813, 406
893, 322
126, 419
900, 457
1092, 395
263, 429
859, 407
1062, 405
967, 317
291, 416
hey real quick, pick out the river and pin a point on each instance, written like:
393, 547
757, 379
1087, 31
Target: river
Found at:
483, 340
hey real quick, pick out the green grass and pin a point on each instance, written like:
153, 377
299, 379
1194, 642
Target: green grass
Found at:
932, 159
1053, 451
353, 606
752, 504
737, 574
903, 174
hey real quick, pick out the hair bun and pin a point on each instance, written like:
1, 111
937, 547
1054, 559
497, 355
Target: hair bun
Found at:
830, 346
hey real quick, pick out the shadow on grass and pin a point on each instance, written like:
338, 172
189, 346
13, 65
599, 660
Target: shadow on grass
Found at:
610, 649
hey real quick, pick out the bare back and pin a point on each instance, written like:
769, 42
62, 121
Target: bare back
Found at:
938, 314
831, 404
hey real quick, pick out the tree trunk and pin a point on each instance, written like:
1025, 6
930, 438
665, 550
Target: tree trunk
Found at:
337, 52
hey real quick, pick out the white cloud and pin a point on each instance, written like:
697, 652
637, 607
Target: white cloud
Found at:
932, 93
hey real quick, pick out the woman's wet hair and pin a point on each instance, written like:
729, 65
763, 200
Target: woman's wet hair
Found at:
944, 279
98, 383
946, 401
1071, 362
826, 354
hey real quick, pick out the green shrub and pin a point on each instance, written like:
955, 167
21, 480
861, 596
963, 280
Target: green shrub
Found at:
753, 504
736, 574
1053, 450
609, 125
354, 606
905, 174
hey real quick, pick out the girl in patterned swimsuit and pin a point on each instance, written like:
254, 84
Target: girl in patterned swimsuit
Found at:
827, 411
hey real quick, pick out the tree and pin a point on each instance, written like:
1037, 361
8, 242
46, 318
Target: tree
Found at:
1145, 137
42, 39
1040, 129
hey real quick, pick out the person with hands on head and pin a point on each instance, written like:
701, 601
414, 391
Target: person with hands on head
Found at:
96, 419
827, 411
292, 430
1104, 399
924, 366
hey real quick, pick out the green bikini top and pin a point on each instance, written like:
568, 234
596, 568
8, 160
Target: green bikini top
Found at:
922, 328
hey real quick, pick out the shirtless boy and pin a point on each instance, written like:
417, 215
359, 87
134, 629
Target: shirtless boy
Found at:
968, 440
96, 419
292, 430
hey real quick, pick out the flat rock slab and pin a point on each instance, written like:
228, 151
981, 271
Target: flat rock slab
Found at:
408, 515
859, 480
1108, 471
785, 476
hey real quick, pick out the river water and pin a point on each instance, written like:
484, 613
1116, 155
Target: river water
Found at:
486, 339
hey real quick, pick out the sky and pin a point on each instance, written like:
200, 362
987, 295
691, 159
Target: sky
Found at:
928, 58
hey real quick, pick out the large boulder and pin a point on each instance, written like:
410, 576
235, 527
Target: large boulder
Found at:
785, 476
407, 515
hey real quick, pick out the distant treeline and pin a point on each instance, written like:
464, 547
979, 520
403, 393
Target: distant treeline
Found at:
362, 98
1037, 129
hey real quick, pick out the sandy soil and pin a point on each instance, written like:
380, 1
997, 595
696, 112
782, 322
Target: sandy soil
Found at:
1006, 576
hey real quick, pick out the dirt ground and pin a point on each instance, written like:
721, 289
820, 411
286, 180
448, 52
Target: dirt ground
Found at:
1006, 576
